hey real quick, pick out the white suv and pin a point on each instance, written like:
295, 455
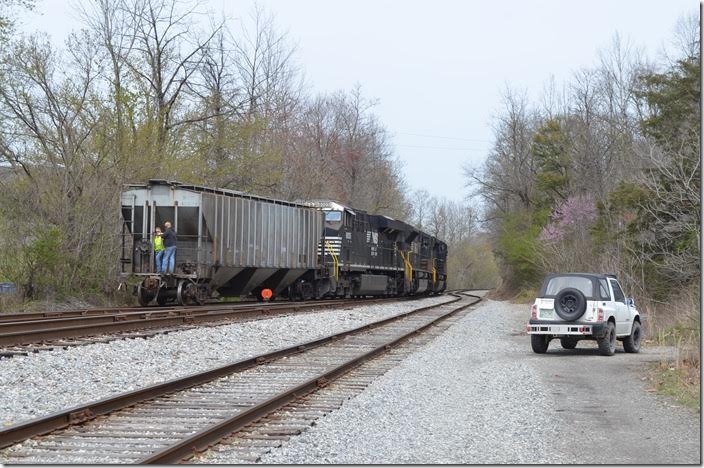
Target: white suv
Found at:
584, 306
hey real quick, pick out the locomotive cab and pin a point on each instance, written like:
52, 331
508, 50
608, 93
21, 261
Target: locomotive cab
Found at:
333, 222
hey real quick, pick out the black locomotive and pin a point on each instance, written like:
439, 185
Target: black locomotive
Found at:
372, 255
232, 243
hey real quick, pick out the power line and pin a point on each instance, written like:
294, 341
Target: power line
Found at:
443, 137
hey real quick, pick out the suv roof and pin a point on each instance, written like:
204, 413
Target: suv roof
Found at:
594, 275
594, 279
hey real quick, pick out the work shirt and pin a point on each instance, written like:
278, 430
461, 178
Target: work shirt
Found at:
169, 238
158, 243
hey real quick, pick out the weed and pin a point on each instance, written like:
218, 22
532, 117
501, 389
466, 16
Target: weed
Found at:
681, 383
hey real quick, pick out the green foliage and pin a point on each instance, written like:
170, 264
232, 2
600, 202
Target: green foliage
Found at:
618, 214
673, 98
518, 248
669, 220
550, 150
34, 260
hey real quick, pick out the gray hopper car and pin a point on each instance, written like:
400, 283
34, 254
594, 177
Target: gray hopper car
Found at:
227, 241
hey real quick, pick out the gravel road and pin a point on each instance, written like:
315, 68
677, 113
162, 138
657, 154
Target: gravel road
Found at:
478, 394
45, 382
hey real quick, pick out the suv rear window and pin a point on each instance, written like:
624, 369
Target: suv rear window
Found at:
558, 283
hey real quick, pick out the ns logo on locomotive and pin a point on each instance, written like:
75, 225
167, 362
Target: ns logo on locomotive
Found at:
231, 243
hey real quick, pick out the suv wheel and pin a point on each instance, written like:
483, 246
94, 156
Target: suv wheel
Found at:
568, 342
631, 343
607, 343
539, 343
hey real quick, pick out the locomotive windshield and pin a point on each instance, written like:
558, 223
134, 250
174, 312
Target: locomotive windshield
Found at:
333, 216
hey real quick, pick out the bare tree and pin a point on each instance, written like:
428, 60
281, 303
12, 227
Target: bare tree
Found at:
167, 52
112, 25
687, 37
507, 177
264, 61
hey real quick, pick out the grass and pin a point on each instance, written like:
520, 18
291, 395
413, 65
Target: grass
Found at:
526, 296
681, 383
677, 335
677, 324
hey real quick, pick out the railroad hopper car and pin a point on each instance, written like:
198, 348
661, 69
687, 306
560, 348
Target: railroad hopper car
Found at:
231, 243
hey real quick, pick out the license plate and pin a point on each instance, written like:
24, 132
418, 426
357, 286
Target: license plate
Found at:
545, 313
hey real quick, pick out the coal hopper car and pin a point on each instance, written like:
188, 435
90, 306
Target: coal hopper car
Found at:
228, 242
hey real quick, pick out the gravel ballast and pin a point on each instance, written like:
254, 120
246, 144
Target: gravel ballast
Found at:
454, 401
45, 382
478, 395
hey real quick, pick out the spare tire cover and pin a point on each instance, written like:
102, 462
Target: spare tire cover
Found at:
570, 304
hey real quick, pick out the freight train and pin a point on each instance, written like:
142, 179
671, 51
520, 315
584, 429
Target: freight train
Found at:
231, 243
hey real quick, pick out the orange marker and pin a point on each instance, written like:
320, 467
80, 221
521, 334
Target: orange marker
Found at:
266, 294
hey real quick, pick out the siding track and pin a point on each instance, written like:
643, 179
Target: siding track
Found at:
21, 335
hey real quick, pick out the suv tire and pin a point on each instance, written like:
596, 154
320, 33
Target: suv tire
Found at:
631, 343
570, 304
539, 343
607, 343
568, 343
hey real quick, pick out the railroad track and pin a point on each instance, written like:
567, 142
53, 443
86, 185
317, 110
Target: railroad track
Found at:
249, 444
75, 328
172, 421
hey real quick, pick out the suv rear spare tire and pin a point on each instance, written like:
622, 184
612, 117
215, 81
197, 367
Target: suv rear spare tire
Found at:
570, 304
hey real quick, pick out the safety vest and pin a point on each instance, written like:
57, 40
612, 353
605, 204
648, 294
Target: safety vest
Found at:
158, 244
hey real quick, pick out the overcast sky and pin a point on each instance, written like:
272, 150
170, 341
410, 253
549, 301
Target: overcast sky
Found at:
438, 68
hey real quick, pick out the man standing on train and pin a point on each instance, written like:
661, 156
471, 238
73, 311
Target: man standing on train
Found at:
169, 259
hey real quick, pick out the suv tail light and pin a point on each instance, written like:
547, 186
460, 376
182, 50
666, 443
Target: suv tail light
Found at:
534, 311
600, 315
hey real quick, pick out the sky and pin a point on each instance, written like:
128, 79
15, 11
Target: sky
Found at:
437, 69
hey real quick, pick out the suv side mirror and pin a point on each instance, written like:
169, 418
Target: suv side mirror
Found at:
630, 302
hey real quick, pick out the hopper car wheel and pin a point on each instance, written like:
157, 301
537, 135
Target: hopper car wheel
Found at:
202, 294
144, 296
186, 293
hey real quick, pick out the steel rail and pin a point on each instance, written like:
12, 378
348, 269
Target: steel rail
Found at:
98, 311
37, 331
50, 315
82, 413
55, 322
